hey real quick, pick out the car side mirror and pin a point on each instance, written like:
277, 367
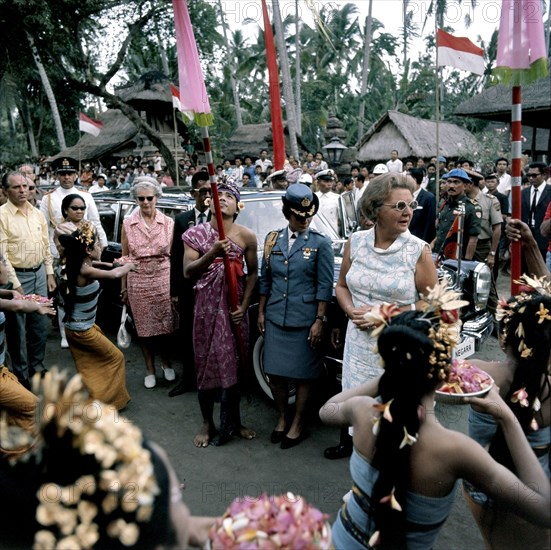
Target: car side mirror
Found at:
348, 213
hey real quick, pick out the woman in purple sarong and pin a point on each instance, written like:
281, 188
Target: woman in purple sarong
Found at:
215, 347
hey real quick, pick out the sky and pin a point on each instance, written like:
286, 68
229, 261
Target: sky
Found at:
484, 16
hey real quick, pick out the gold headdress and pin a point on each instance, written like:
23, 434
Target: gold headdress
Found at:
440, 309
123, 486
86, 234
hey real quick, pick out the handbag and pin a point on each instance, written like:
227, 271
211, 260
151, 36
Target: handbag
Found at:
123, 337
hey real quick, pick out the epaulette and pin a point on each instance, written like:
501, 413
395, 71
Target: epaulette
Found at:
269, 243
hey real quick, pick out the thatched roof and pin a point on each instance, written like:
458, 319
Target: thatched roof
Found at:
117, 134
152, 86
494, 103
249, 139
411, 137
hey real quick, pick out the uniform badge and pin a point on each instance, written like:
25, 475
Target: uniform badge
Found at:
306, 253
305, 202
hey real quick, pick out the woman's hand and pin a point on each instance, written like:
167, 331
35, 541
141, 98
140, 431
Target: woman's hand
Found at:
260, 322
336, 338
492, 403
316, 331
46, 310
221, 248
356, 315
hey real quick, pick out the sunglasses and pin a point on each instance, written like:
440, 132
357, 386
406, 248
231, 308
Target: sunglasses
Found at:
528, 175
402, 205
142, 199
75, 208
204, 191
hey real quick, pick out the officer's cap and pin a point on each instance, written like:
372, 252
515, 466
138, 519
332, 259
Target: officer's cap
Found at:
277, 175
325, 175
65, 164
301, 201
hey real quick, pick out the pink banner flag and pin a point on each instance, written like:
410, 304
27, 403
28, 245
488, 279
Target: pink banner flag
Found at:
521, 53
193, 93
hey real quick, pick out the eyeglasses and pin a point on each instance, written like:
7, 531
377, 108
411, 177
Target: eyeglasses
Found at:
533, 175
204, 191
75, 208
402, 205
142, 199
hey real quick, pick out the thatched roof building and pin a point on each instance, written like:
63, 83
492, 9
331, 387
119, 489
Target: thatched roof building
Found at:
494, 103
249, 139
411, 137
151, 96
118, 138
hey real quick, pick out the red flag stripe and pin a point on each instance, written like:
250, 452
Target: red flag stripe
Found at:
459, 43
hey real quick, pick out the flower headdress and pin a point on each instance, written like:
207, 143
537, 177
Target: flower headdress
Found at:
85, 234
506, 314
121, 487
506, 310
441, 309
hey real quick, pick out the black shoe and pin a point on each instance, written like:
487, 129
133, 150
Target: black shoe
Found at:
340, 451
178, 389
288, 443
277, 436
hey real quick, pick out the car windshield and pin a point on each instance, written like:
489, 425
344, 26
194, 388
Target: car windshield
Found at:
262, 216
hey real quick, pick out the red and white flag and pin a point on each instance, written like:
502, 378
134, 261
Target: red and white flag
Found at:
459, 52
89, 125
175, 97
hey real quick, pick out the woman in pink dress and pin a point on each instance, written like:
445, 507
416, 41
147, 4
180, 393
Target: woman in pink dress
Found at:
147, 239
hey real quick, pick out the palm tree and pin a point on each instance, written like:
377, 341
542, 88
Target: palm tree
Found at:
368, 35
235, 91
286, 79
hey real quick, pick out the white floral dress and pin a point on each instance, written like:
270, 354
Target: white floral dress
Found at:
376, 276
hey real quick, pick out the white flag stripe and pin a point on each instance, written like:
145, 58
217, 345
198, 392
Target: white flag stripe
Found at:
88, 127
461, 60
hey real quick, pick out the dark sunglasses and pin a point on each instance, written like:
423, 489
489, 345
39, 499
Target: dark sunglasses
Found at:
527, 175
204, 191
75, 208
142, 199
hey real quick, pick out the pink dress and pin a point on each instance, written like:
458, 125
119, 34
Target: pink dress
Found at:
149, 288
215, 348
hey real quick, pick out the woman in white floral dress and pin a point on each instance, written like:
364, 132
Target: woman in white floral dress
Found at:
383, 264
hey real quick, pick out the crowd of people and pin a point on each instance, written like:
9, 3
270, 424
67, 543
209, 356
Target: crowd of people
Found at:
196, 276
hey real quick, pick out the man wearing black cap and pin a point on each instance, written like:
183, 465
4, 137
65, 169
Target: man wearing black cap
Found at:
181, 290
66, 169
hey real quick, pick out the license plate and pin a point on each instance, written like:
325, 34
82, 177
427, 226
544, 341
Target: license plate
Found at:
465, 348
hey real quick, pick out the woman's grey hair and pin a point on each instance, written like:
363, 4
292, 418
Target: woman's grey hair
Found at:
145, 182
378, 192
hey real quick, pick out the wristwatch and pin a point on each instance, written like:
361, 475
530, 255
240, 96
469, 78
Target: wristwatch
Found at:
322, 318
492, 253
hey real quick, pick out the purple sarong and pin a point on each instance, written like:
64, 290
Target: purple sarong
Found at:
215, 348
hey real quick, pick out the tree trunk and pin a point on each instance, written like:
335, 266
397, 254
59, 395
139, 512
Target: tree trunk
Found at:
162, 52
235, 91
365, 68
298, 73
286, 79
49, 93
23, 108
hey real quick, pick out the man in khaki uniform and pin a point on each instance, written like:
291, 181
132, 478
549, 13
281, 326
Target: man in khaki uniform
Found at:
488, 210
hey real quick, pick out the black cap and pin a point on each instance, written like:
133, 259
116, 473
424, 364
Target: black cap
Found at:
65, 164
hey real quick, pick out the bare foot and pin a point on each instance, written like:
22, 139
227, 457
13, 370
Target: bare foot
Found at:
245, 433
203, 437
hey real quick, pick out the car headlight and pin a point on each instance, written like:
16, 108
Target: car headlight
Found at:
482, 281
